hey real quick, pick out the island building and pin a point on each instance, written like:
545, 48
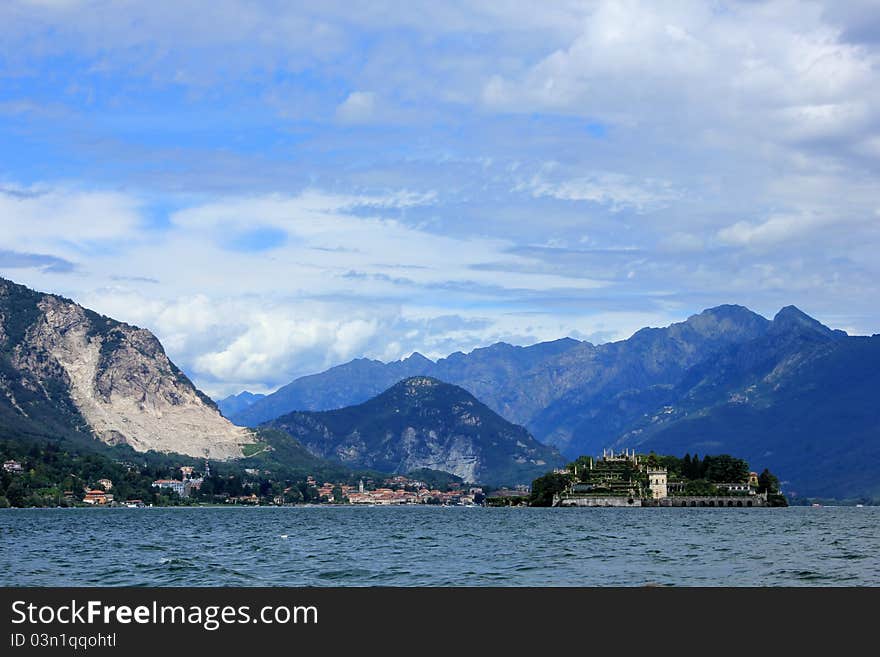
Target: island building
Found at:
657, 483
627, 479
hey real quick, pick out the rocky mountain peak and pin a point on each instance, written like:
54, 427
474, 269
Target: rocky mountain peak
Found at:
791, 319
414, 384
235, 403
417, 358
727, 320
415, 387
422, 422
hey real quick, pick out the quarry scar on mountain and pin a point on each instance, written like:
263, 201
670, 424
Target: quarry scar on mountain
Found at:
112, 379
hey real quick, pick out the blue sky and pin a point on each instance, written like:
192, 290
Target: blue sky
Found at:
275, 188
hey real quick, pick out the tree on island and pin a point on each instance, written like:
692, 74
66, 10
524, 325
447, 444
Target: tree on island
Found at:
725, 468
545, 487
768, 482
692, 468
700, 487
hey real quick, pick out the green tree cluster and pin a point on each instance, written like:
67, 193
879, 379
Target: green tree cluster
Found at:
545, 487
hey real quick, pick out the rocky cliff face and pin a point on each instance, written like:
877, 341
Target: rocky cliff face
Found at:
65, 367
424, 423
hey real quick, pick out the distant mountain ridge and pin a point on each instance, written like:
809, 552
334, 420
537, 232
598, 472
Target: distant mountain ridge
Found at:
548, 387
344, 385
421, 422
362, 378
237, 403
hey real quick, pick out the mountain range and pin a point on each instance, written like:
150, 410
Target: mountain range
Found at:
574, 395
788, 393
481, 372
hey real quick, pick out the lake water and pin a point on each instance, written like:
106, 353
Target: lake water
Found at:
439, 546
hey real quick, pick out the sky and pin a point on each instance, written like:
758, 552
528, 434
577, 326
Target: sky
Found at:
274, 188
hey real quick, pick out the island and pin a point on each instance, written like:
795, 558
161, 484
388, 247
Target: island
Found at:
629, 479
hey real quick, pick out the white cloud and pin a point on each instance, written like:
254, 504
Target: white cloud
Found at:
615, 190
231, 343
358, 107
328, 245
41, 217
335, 290
773, 72
278, 342
830, 120
772, 231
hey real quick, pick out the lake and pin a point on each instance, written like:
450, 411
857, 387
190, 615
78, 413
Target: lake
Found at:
439, 546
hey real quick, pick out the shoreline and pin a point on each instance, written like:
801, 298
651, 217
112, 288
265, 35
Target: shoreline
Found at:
432, 506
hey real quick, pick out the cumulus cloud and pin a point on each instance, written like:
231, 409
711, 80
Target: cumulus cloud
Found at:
764, 71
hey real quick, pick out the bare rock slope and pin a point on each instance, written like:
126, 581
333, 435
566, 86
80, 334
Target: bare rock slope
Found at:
64, 367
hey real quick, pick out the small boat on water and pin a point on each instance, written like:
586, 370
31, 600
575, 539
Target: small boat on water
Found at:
816, 505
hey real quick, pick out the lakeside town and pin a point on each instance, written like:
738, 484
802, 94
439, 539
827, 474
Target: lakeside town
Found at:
193, 486
393, 490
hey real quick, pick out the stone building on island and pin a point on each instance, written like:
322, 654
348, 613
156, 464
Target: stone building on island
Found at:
657, 482
627, 479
